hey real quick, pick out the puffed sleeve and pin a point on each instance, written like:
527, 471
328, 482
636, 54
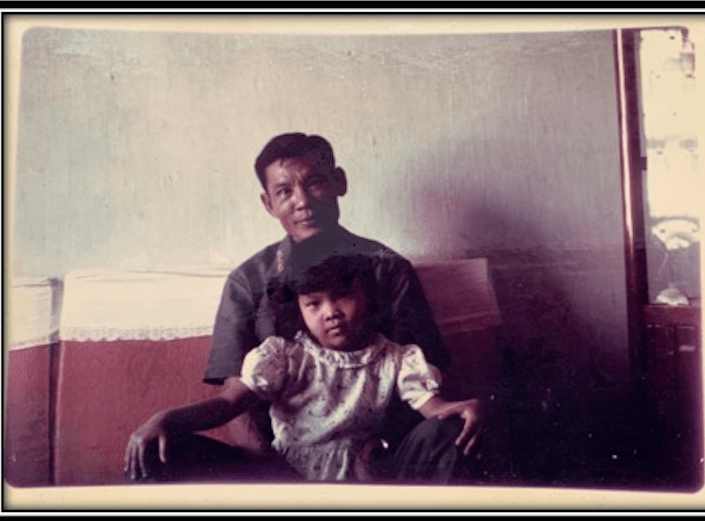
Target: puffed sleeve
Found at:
264, 368
418, 380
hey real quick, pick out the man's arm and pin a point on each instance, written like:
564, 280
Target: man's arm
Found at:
233, 332
412, 318
206, 414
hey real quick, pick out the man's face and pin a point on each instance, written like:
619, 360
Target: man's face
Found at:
303, 195
336, 318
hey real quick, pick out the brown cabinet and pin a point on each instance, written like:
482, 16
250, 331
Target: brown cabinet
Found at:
674, 387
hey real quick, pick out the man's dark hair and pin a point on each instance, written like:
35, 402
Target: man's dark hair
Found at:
295, 144
336, 274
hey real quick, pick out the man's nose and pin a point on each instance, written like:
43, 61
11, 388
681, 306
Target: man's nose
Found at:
301, 197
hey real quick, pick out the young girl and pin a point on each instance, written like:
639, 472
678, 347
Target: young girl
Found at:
330, 378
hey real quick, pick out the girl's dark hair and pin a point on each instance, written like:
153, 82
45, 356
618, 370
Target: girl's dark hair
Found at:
295, 144
335, 274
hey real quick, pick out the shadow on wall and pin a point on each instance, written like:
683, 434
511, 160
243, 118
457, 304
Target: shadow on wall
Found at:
566, 423
543, 355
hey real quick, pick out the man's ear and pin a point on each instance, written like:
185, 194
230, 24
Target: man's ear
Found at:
340, 182
267, 202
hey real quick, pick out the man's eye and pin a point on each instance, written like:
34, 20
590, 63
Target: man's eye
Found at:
316, 181
283, 192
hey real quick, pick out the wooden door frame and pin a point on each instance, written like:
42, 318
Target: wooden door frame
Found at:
633, 163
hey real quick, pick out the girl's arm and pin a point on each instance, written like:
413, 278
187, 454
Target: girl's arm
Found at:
468, 410
234, 399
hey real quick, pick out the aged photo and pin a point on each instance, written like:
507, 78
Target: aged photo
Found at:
308, 250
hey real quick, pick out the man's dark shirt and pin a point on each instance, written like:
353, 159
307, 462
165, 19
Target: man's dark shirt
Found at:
245, 317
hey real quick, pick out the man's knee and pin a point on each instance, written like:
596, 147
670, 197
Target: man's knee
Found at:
428, 452
439, 432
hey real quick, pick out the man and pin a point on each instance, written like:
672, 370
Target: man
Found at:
301, 184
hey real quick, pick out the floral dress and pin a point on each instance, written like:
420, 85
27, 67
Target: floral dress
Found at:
327, 404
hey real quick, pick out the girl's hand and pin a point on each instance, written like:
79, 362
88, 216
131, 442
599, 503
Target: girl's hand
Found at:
469, 411
135, 454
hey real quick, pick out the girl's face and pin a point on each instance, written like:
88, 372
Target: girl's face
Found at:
336, 319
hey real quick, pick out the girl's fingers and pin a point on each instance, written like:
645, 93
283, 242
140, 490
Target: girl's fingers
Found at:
463, 434
126, 458
132, 468
471, 444
470, 424
140, 457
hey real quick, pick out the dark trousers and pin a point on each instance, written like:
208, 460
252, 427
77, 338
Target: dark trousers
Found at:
427, 454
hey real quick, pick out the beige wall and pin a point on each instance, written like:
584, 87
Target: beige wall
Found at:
136, 148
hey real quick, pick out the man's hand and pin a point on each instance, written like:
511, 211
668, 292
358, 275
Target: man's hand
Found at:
136, 466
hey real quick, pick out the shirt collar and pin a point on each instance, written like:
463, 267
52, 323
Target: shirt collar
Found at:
330, 239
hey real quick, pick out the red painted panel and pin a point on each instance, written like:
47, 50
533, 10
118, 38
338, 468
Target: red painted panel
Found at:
106, 389
27, 417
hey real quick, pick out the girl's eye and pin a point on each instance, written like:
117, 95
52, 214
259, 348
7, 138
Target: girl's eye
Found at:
346, 301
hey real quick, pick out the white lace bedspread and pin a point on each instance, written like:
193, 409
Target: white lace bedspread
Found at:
164, 304
34, 306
